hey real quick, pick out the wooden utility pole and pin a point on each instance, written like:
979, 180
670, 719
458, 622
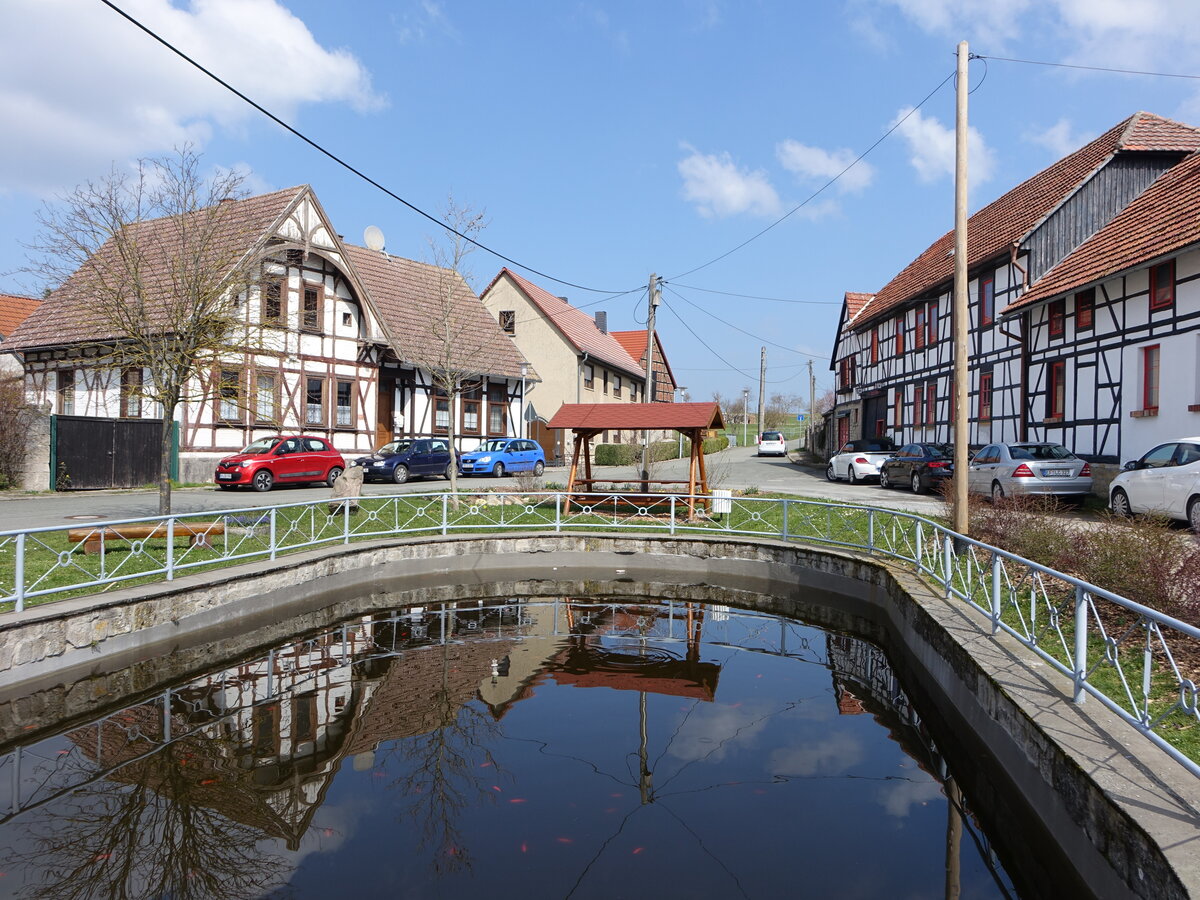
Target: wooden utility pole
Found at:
762, 389
962, 372
653, 304
812, 406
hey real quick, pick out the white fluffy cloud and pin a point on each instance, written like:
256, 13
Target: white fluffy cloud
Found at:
718, 187
65, 123
813, 163
931, 148
1060, 139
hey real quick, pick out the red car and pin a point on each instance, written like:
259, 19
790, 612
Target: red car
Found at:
283, 459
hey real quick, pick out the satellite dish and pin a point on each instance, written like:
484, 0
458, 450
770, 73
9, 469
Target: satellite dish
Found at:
373, 237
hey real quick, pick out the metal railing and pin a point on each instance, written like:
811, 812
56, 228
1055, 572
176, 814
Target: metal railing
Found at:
1124, 654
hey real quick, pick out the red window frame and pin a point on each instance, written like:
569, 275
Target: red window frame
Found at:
919, 329
930, 402
918, 405
1056, 394
931, 316
1057, 317
899, 323
1151, 362
985, 397
1085, 309
875, 345
898, 409
987, 299
1162, 285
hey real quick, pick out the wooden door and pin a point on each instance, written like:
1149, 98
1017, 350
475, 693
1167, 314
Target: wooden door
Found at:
385, 410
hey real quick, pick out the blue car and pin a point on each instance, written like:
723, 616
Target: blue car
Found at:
500, 455
408, 458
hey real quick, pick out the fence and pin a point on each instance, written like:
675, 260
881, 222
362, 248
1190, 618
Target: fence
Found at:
1131, 658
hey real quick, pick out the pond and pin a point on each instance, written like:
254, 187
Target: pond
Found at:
506, 747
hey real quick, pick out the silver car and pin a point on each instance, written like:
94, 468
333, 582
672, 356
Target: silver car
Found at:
1005, 470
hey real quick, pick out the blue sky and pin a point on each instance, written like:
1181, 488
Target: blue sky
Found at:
603, 140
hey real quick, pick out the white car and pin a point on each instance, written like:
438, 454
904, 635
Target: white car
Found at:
1164, 481
772, 443
860, 459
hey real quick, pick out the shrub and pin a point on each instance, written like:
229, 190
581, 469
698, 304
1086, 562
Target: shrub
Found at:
12, 428
617, 454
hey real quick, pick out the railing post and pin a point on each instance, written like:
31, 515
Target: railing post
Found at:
346, 521
171, 549
996, 603
947, 555
19, 573
271, 534
445, 514
166, 719
557, 512
672, 514
920, 552
1081, 617
786, 505
871, 531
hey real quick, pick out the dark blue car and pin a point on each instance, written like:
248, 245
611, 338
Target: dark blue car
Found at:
500, 455
407, 458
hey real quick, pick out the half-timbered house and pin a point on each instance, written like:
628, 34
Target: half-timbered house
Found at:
340, 326
893, 353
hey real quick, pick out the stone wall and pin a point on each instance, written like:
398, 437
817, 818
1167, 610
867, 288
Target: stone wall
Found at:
35, 475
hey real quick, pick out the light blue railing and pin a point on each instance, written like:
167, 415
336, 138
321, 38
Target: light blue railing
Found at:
1125, 655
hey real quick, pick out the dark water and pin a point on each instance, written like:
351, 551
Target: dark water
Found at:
526, 749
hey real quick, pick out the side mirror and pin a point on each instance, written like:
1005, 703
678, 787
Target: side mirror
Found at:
1130, 466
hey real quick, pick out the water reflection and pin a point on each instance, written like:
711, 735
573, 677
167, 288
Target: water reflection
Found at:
532, 747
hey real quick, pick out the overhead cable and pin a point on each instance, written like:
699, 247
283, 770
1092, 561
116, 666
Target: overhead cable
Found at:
1059, 65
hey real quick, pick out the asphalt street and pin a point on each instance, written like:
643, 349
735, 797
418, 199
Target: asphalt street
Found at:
737, 468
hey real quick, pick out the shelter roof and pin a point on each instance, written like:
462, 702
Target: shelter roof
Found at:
575, 325
1010, 218
637, 416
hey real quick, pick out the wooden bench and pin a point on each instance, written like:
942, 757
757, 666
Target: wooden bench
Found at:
199, 534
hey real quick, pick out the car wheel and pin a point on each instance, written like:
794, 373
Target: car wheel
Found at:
916, 484
539, 467
334, 474
883, 479
262, 481
851, 476
1119, 503
829, 473
997, 491
448, 471
1193, 511
400, 474
498, 471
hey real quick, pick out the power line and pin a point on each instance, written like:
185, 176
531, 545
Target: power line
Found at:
667, 304
822, 188
341, 162
742, 330
756, 297
1058, 65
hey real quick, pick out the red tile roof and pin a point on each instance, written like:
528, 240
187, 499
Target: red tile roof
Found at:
1008, 219
634, 343
855, 301
13, 311
1163, 219
407, 295
599, 416
575, 325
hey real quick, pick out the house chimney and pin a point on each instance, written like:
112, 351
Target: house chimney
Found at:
563, 299
602, 322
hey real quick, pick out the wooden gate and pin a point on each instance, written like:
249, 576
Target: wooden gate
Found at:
94, 453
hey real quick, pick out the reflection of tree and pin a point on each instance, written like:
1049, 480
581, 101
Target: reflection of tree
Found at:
444, 766
150, 837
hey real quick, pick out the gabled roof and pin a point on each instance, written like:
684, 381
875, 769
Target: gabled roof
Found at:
634, 343
637, 416
1009, 219
407, 296
63, 318
575, 325
855, 302
1163, 220
14, 310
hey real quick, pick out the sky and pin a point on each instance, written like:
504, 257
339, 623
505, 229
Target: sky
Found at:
603, 141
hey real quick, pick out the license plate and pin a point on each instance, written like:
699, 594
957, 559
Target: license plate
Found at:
225, 477
1056, 473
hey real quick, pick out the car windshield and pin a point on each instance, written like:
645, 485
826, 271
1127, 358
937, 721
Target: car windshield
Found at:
262, 445
1041, 451
393, 448
494, 446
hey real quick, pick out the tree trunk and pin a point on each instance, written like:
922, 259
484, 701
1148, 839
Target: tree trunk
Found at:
164, 462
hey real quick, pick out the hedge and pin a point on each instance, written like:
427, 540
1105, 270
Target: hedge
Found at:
629, 454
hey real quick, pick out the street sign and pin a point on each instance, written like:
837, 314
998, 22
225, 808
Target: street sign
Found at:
800, 417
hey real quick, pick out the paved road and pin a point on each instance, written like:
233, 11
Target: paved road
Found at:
737, 468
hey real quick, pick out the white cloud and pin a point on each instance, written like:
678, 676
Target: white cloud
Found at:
833, 754
719, 188
813, 163
84, 89
931, 148
899, 797
422, 20
987, 20
1059, 138
713, 730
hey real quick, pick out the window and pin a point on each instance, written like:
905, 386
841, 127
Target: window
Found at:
1057, 317
131, 393
1162, 285
508, 321
343, 407
875, 345
497, 395
266, 401
304, 717
616, 385
589, 376
472, 400
898, 409
228, 405
1057, 396
1085, 308
265, 727
314, 401
66, 392
919, 332
310, 316
295, 257
604, 381
441, 411
633, 392
931, 317
930, 402
899, 335
1150, 363
987, 299
272, 302
846, 373
985, 396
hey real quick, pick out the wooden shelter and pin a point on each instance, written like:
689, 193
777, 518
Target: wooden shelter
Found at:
586, 420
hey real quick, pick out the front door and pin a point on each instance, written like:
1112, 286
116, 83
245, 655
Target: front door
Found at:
385, 409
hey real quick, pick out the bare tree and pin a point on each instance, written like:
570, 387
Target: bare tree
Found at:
150, 268
13, 411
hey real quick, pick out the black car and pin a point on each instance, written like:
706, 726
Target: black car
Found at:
918, 466
407, 458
